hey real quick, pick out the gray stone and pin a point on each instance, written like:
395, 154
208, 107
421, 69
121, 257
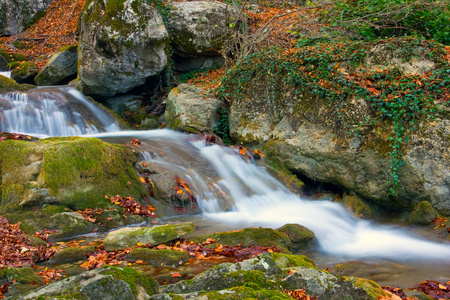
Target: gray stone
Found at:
123, 44
60, 69
124, 104
38, 197
200, 27
300, 236
17, 15
130, 236
192, 109
200, 62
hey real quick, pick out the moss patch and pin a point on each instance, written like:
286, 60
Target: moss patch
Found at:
133, 278
373, 289
246, 292
289, 260
21, 275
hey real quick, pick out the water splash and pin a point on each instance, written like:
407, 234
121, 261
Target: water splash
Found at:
52, 111
6, 74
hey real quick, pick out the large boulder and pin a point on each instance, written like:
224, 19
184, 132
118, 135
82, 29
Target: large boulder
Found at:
300, 125
200, 27
16, 16
191, 109
60, 69
122, 45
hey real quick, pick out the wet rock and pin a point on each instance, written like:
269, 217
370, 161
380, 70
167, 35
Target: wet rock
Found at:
70, 224
284, 261
300, 236
423, 214
10, 85
191, 109
104, 283
60, 69
35, 241
159, 258
23, 72
71, 254
122, 45
129, 237
21, 275
358, 206
374, 290
125, 104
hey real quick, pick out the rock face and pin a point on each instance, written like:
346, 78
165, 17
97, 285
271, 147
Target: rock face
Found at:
60, 69
301, 130
123, 44
191, 109
129, 237
16, 16
200, 27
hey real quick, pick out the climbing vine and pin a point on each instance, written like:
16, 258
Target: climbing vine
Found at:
335, 71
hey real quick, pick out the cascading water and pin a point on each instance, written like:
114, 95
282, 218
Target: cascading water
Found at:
52, 111
6, 73
257, 198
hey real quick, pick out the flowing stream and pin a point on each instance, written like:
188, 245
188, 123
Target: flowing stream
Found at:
257, 198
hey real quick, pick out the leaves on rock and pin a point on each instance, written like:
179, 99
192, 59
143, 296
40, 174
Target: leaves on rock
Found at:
434, 289
132, 207
50, 275
299, 294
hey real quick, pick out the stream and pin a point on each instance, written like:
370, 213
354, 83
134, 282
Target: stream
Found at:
386, 253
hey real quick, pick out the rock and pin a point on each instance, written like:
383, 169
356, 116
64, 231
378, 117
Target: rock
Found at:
71, 254
129, 236
16, 16
23, 72
416, 295
200, 62
122, 45
191, 109
300, 236
125, 104
35, 241
200, 27
284, 261
358, 206
21, 275
70, 224
374, 290
105, 283
10, 85
321, 284
250, 236
60, 69
423, 214
159, 258
300, 128
38, 197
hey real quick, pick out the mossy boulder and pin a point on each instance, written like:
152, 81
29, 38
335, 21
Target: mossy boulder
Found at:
158, 258
23, 72
60, 69
105, 283
373, 289
423, 214
359, 207
246, 292
71, 254
10, 85
21, 275
129, 237
300, 236
122, 45
250, 236
74, 173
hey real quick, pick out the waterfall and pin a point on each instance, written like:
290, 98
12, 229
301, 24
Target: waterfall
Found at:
260, 200
6, 73
53, 111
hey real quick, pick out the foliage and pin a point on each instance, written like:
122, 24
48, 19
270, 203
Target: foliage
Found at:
222, 128
400, 99
388, 18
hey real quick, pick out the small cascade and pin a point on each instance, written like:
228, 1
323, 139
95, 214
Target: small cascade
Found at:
53, 111
6, 73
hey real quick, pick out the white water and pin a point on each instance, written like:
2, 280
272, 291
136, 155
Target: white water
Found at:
6, 74
61, 111
260, 200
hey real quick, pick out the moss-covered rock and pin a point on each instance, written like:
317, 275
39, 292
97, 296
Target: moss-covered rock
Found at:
60, 69
373, 289
158, 258
35, 241
246, 292
129, 237
290, 260
109, 282
122, 45
20, 275
23, 72
300, 236
358, 206
423, 214
250, 236
71, 254
9, 85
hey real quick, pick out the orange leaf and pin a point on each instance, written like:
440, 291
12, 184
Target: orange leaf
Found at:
176, 274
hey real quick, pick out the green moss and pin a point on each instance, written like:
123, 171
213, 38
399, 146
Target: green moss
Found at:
9, 85
21, 275
159, 258
289, 260
373, 289
247, 292
358, 207
133, 278
250, 236
22, 68
424, 213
